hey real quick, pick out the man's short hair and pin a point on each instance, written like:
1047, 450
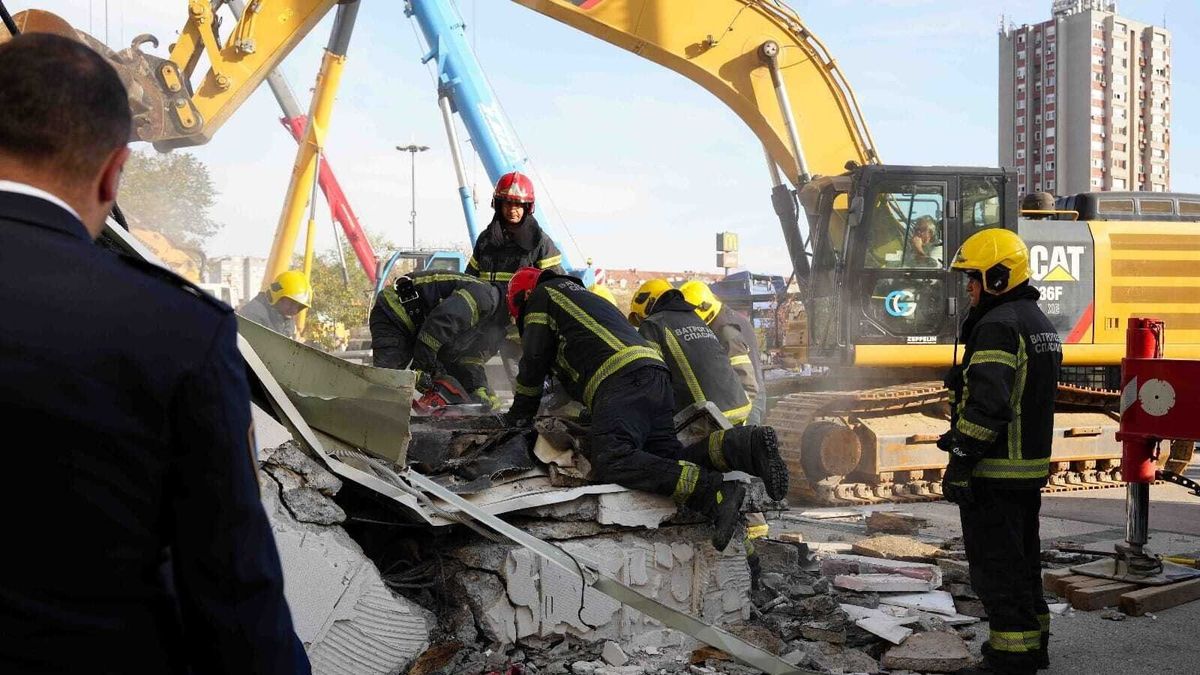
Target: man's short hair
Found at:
64, 106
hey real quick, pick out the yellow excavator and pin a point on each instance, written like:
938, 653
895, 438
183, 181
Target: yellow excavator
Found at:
882, 309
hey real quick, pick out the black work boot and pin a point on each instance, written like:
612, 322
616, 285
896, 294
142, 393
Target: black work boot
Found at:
719, 501
755, 450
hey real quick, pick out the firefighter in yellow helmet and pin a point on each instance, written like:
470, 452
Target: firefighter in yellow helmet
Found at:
603, 291
738, 368
1002, 426
644, 298
276, 308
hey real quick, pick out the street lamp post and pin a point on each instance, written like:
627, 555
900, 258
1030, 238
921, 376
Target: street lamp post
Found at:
412, 151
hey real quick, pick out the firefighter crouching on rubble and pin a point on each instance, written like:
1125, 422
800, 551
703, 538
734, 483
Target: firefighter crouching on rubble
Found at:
141, 545
736, 335
605, 364
276, 308
1002, 426
439, 322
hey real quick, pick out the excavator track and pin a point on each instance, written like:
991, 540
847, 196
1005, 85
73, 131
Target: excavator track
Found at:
794, 415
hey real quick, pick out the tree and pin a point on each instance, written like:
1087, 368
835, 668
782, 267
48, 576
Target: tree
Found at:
170, 193
335, 301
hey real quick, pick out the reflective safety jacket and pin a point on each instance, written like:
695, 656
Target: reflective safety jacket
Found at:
444, 308
579, 336
499, 254
700, 367
1005, 404
737, 336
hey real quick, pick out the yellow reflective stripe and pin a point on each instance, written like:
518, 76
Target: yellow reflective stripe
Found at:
541, 318
430, 342
545, 263
740, 360
471, 361
1014, 641
738, 415
716, 451
994, 356
685, 368
498, 276
1044, 621
995, 467
689, 475
528, 391
561, 360
393, 302
757, 531
976, 431
434, 278
614, 363
471, 303
582, 317
1014, 427
472, 263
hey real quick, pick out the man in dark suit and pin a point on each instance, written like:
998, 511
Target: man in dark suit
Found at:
134, 538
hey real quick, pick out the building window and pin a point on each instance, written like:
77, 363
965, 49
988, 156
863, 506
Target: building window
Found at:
1020, 154
1049, 115
1021, 138
1050, 149
1050, 184
1021, 104
1050, 132
1021, 71
1049, 98
1049, 165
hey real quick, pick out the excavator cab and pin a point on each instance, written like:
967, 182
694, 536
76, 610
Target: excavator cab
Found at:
882, 239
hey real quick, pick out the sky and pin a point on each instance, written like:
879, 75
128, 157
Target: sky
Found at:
635, 166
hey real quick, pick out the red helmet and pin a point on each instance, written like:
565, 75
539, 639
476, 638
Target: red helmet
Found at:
520, 286
514, 187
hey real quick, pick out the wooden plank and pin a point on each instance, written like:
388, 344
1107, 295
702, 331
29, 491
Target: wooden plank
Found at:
1051, 577
1155, 598
1086, 582
1099, 597
1059, 585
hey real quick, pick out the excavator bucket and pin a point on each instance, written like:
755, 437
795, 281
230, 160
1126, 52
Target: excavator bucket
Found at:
158, 93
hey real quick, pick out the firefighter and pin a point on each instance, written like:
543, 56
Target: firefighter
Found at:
701, 371
276, 308
999, 443
605, 364
513, 239
737, 336
436, 321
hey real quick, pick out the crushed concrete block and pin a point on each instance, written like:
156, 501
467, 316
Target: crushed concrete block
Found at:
830, 547
790, 537
613, 655
585, 667
290, 456
779, 556
853, 564
825, 631
895, 547
837, 659
938, 602
310, 506
962, 591
954, 571
342, 611
881, 583
970, 608
794, 657
633, 508
888, 522
952, 620
885, 628
929, 653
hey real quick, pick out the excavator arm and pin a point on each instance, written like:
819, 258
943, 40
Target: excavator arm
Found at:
756, 56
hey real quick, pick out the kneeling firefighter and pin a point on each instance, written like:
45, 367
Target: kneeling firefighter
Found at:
603, 362
1002, 426
441, 323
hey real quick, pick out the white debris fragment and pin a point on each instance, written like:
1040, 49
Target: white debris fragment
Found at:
938, 602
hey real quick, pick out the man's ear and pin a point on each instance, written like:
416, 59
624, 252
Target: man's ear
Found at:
110, 174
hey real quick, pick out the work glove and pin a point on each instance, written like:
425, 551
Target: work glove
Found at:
956, 483
423, 382
486, 397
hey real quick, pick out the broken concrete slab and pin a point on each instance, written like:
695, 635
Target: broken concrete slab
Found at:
929, 653
937, 602
952, 620
973, 608
885, 628
310, 506
780, 556
613, 655
342, 611
831, 631
954, 571
635, 509
290, 456
890, 522
854, 564
896, 547
823, 515
881, 583
830, 547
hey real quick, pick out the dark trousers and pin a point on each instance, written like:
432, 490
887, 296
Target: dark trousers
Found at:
632, 438
1000, 531
393, 346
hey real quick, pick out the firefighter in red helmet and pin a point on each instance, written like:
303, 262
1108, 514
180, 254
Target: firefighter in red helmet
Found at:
513, 238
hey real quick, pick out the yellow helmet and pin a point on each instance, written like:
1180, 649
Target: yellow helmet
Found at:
602, 291
699, 294
999, 256
291, 284
645, 297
